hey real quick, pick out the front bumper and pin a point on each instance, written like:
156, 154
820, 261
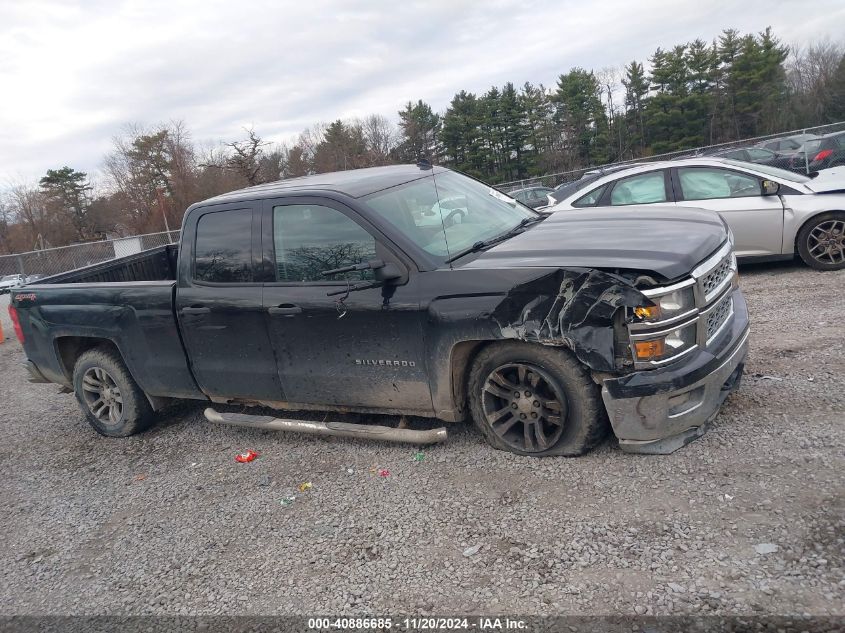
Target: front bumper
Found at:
659, 411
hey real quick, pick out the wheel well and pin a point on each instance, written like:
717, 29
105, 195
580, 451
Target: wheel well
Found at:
70, 348
462, 356
810, 219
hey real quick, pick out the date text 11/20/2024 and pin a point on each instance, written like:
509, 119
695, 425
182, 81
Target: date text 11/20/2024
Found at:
418, 624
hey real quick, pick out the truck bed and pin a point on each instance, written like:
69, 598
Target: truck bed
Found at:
127, 302
155, 264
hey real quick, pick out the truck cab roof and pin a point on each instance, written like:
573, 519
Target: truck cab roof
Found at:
354, 183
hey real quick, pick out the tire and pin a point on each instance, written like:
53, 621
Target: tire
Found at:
108, 395
511, 423
821, 241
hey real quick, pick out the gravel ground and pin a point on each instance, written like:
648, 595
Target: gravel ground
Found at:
167, 522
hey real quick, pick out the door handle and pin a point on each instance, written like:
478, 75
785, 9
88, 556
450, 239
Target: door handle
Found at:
286, 309
196, 310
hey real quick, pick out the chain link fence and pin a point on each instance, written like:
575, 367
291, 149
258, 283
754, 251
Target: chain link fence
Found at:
797, 161
51, 261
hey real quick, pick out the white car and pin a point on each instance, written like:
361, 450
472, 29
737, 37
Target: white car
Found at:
773, 213
7, 282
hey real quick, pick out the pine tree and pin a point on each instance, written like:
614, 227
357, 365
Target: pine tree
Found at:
581, 117
460, 134
66, 194
420, 128
636, 93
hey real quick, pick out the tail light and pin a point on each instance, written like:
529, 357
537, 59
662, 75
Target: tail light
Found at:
16, 322
823, 154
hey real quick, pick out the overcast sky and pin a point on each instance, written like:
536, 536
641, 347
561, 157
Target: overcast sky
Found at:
73, 74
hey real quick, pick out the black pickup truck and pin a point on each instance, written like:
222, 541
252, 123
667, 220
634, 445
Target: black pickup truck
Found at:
407, 290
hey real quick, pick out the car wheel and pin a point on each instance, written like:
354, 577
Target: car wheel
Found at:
821, 241
534, 400
108, 395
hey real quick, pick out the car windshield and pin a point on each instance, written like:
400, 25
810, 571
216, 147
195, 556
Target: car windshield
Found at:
468, 212
774, 172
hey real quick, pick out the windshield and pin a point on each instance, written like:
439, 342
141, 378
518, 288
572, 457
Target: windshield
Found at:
775, 172
468, 212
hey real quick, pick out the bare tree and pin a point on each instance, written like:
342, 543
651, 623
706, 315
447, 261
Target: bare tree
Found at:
810, 71
246, 156
381, 137
26, 204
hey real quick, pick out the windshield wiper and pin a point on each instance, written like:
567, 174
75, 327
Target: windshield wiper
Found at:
482, 244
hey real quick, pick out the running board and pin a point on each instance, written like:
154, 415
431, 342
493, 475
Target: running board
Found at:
338, 429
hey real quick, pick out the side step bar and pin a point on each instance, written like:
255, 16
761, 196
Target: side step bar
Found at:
338, 429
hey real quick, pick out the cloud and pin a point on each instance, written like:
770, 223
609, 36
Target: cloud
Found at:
74, 74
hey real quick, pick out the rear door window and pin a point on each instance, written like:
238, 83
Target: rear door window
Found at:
223, 250
640, 189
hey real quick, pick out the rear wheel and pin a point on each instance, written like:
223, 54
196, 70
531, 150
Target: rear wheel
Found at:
533, 400
821, 242
108, 395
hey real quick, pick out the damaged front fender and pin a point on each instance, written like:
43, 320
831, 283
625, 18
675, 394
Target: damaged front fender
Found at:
571, 307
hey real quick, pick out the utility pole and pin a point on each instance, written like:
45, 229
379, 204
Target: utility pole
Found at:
160, 197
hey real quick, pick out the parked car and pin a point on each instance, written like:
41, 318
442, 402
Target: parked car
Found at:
756, 155
324, 293
787, 143
773, 213
822, 153
533, 197
565, 189
7, 282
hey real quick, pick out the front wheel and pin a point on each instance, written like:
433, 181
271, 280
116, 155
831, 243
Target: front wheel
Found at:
534, 400
821, 242
108, 395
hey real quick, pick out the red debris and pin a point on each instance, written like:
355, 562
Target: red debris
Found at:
243, 458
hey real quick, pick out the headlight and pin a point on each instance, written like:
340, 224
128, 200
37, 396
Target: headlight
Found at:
651, 348
667, 305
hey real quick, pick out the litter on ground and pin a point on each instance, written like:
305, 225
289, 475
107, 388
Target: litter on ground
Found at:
243, 458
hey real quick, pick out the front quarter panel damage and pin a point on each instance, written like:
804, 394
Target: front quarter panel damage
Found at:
571, 307
566, 307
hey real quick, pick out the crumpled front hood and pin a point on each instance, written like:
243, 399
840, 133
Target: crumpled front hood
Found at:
664, 240
828, 180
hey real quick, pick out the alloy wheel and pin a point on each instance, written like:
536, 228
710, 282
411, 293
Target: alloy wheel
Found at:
826, 242
523, 406
102, 395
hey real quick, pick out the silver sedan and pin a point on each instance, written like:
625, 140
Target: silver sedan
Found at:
773, 213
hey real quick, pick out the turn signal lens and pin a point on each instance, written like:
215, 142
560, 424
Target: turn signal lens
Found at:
665, 347
649, 350
650, 313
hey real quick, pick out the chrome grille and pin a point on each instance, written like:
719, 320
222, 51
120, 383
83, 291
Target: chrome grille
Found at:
718, 316
714, 279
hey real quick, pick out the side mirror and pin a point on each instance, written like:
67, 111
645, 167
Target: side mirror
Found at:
770, 188
382, 271
388, 272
